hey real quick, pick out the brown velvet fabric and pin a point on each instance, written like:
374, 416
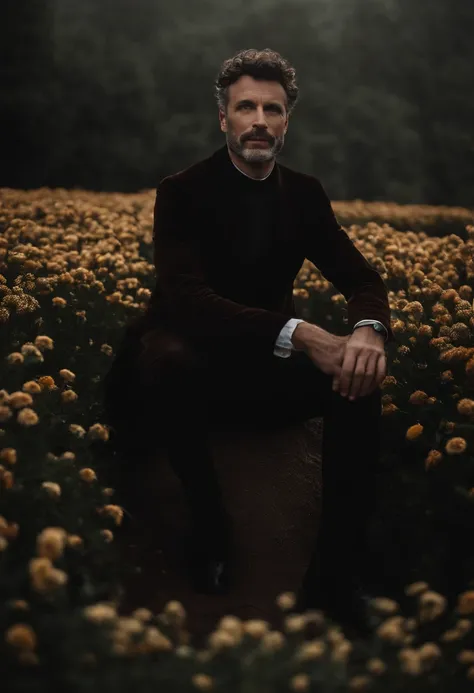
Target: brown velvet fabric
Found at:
206, 294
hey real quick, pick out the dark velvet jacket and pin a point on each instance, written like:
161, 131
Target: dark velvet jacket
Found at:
204, 293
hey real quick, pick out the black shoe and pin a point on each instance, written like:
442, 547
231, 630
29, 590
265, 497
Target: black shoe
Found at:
209, 562
348, 606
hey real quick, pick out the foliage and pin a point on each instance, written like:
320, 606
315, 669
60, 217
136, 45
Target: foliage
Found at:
115, 96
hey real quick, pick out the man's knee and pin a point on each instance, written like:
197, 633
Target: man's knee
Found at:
164, 352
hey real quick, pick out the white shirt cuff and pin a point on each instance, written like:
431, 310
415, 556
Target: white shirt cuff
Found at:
283, 345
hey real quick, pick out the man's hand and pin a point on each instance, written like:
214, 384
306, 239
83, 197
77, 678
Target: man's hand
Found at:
326, 350
364, 364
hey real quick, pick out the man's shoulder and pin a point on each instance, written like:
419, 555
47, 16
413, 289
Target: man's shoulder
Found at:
294, 177
195, 173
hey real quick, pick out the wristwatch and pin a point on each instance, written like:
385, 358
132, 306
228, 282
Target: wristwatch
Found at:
378, 327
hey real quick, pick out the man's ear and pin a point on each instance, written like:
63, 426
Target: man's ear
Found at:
223, 121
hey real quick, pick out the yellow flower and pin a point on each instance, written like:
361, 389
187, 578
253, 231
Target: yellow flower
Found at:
410, 661
142, 614
418, 397
272, 641
433, 458
310, 650
470, 367
27, 417
465, 605
46, 382
446, 376
154, 640
203, 682
256, 627
416, 588
31, 387
8, 455
175, 612
44, 576
67, 375
431, 605
69, 396
376, 666
414, 432
222, 640
429, 652
300, 682
53, 489
98, 432
87, 474
294, 623
17, 400
44, 342
466, 657
74, 541
22, 636
384, 605
19, 604
50, 542
8, 480
77, 431
107, 534
286, 601
392, 630
389, 409
100, 612
464, 406
455, 446
359, 682
449, 295
113, 511
9, 530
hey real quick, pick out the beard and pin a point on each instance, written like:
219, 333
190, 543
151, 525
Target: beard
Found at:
254, 153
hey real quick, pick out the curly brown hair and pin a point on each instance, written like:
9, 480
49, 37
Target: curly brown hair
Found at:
259, 64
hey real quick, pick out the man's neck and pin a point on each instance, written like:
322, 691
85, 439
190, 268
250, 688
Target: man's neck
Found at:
250, 172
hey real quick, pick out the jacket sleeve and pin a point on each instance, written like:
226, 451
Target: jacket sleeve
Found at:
331, 250
184, 288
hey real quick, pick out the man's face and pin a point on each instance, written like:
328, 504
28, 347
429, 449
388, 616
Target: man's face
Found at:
256, 108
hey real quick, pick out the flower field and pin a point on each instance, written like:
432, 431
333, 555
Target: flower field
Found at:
75, 268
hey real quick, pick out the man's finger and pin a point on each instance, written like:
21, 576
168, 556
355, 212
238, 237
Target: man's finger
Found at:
381, 368
369, 381
380, 372
348, 366
361, 372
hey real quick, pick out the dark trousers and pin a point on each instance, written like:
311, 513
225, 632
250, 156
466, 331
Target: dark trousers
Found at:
174, 394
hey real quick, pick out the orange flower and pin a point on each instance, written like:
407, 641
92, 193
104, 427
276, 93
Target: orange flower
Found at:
433, 458
414, 432
455, 446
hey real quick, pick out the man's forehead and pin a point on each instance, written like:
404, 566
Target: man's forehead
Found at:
266, 91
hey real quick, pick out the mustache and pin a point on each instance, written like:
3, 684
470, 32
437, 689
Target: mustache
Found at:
266, 139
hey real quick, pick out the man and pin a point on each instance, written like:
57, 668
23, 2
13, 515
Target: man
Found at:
221, 343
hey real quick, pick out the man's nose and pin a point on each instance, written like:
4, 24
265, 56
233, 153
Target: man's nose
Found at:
260, 117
